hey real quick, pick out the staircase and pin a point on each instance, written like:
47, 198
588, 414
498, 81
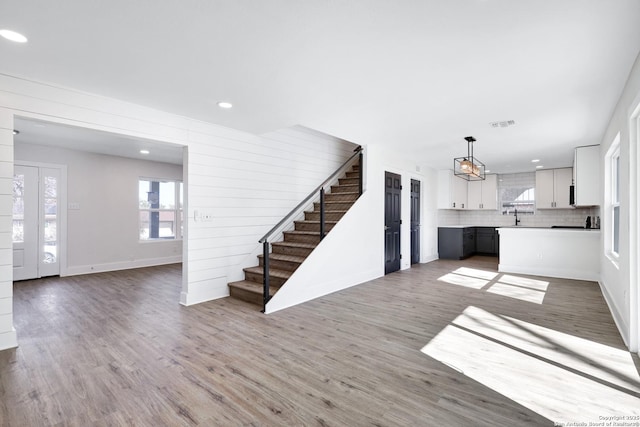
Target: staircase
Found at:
289, 254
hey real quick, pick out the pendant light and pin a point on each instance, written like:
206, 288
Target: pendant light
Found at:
469, 167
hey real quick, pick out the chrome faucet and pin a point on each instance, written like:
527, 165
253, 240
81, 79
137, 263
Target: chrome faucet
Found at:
517, 220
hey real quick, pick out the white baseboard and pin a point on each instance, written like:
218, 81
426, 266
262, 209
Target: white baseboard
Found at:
121, 265
430, 258
621, 324
550, 272
8, 340
204, 291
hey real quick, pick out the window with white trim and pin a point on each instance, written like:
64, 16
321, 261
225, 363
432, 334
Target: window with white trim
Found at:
611, 225
160, 209
615, 202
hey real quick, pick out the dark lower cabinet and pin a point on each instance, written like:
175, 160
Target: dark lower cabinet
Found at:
456, 243
462, 242
486, 240
468, 242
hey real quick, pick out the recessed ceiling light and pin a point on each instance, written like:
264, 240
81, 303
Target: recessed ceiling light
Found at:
487, 171
225, 105
535, 160
539, 167
144, 151
15, 131
13, 36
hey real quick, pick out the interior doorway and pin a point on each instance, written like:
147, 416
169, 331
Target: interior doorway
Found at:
106, 219
415, 221
392, 199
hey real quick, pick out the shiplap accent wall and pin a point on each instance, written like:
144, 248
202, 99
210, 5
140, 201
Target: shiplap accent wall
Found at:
246, 186
236, 177
7, 332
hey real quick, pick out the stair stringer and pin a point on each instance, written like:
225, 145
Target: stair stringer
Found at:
347, 256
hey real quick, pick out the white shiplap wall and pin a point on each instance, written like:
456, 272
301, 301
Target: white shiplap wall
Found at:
7, 332
245, 182
247, 185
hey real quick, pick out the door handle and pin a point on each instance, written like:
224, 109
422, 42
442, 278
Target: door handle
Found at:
386, 228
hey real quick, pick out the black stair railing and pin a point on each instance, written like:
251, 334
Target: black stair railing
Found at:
318, 191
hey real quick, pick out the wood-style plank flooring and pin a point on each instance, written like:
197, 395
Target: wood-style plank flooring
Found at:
449, 343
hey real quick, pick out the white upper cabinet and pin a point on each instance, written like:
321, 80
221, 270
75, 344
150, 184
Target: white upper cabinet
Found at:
586, 175
483, 194
552, 188
452, 191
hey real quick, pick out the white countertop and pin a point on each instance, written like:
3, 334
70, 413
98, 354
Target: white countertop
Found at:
520, 227
538, 229
468, 226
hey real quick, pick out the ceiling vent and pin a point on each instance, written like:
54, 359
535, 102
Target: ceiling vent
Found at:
503, 124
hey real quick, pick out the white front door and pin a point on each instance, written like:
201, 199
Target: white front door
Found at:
36, 193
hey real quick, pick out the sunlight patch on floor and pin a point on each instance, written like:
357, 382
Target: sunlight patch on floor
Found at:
560, 376
467, 281
517, 292
525, 282
521, 288
474, 272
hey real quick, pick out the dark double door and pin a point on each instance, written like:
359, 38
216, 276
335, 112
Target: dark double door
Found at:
392, 221
415, 221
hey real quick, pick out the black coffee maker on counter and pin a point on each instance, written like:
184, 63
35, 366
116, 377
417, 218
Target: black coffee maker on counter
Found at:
588, 223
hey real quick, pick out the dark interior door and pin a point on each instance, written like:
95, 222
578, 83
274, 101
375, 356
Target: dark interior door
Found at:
415, 221
392, 222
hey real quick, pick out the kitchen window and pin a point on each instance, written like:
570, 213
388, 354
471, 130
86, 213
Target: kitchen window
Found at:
516, 191
160, 209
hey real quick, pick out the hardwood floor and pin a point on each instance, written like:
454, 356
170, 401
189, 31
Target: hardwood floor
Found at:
449, 343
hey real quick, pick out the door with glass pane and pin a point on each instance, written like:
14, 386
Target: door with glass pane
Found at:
35, 222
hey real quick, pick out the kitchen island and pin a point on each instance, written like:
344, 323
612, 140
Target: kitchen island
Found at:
554, 252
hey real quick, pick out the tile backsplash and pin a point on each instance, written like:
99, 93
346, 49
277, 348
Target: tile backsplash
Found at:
541, 217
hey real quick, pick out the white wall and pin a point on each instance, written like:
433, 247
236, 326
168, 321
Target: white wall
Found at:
241, 179
550, 253
353, 252
620, 282
7, 332
102, 235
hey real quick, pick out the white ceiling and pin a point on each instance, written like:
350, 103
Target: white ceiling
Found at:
417, 75
83, 139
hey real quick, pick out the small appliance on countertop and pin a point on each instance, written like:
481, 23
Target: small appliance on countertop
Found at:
588, 223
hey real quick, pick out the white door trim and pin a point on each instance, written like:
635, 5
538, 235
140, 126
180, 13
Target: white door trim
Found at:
62, 208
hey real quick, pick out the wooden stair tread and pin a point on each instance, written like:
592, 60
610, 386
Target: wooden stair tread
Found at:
313, 221
295, 245
307, 233
255, 287
336, 211
283, 257
330, 202
346, 193
282, 274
